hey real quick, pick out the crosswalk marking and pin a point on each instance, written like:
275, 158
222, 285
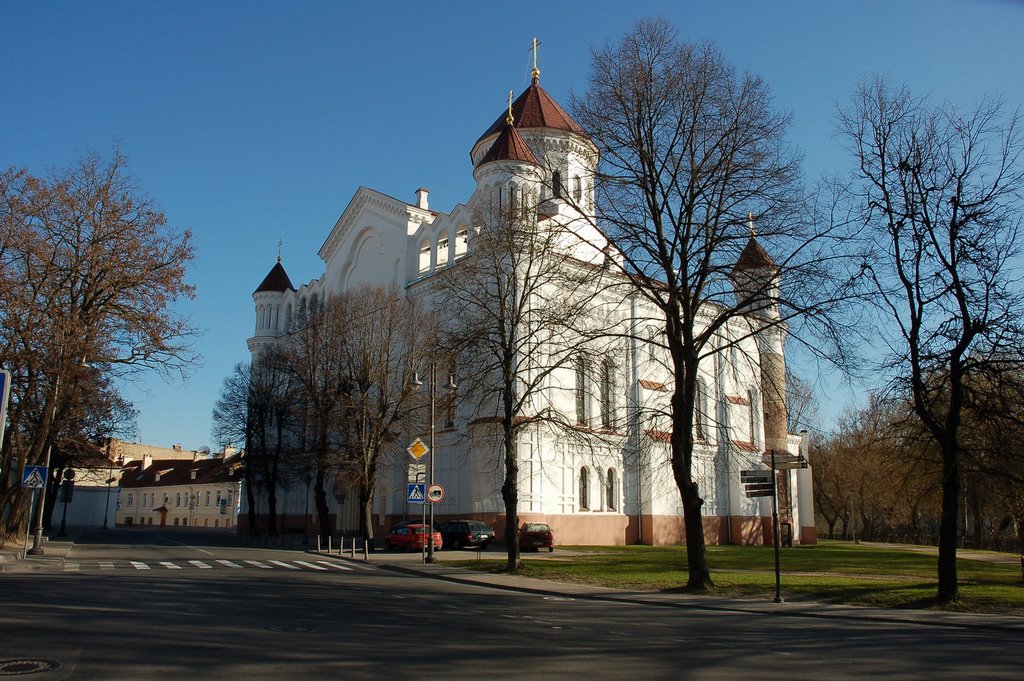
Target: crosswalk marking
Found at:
282, 564
337, 566
259, 564
237, 564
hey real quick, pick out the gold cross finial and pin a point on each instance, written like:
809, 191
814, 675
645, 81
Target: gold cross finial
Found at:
535, 74
279, 244
510, 118
750, 223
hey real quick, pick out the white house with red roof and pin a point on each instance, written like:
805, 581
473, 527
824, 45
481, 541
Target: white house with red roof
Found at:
621, 489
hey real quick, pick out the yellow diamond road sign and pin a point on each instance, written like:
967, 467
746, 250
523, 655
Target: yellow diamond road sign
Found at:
418, 448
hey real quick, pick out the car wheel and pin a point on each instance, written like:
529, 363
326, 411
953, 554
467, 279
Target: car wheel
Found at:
551, 549
457, 544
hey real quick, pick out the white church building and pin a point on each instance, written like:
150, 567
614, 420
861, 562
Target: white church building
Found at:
621, 490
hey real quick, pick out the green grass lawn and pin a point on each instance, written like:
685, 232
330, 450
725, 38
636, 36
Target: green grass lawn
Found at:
831, 572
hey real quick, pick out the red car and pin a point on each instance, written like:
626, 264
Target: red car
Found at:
535, 536
411, 538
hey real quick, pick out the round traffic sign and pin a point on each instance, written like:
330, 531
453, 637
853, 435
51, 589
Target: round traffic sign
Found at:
435, 493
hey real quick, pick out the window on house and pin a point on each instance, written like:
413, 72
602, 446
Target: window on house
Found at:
582, 414
177, 500
461, 241
577, 188
206, 501
611, 491
607, 393
556, 184
584, 489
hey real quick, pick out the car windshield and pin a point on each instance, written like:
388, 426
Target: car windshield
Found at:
536, 527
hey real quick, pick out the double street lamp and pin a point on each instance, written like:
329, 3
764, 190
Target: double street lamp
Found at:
416, 382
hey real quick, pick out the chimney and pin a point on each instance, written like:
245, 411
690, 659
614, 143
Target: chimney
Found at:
147, 461
421, 198
176, 447
193, 474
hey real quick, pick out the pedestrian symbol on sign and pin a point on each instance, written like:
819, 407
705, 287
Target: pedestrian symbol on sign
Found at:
416, 493
34, 478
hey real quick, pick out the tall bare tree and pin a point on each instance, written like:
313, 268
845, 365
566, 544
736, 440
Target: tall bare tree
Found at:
689, 150
940, 193
89, 272
518, 307
385, 334
258, 408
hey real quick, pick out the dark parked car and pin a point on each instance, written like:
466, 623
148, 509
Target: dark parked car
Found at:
536, 536
459, 533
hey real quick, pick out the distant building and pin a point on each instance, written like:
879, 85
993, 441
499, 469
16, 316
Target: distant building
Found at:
193, 491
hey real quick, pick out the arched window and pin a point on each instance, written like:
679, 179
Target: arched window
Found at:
577, 188
288, 317
611, 491
607, 393
556, 184
584, 489
751, 396
442, 250
424, 256
461, 241
582, 413
700, 411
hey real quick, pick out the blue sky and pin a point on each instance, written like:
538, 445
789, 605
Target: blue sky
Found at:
254, 122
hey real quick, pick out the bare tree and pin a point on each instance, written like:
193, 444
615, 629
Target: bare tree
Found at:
690, 152
939, 191
89, 272
518, 306
384, 335
258, 408
314, 351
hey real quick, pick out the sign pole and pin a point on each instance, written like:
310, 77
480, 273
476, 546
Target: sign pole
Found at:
775, 531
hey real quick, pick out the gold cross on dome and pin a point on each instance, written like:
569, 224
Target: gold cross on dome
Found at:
535, 74
510, 118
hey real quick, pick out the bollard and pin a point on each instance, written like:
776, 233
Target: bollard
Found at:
353, 549
328, 543
318, 543
366, 550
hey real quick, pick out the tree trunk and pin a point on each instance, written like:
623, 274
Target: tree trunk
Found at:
320, 498
948, 587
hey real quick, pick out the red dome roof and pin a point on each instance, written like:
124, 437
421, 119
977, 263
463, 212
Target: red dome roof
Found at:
535, 108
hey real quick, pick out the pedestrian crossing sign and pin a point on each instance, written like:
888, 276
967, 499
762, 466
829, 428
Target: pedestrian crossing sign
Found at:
34, 477
417, 493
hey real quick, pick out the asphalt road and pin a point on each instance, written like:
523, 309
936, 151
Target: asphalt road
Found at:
146, 605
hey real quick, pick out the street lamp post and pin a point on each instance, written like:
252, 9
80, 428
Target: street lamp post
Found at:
305, 515
430, 476
110, 479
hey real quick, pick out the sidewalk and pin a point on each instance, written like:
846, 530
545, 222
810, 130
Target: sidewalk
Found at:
412, 563
55, 550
